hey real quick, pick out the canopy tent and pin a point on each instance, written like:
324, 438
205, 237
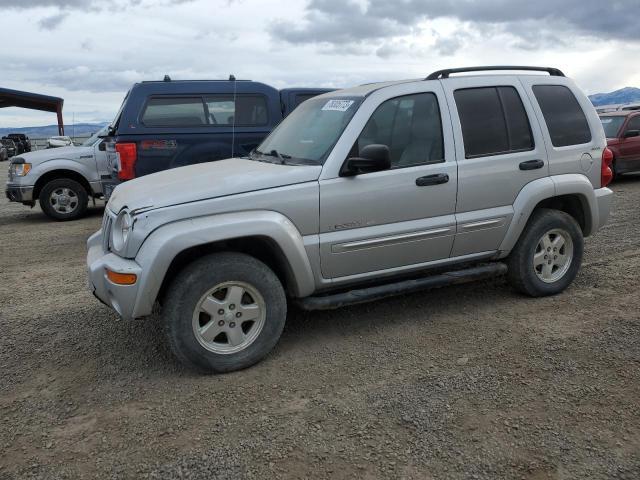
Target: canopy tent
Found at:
34, 101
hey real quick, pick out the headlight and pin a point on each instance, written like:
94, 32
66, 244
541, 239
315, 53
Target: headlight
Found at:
120, 231
19, 169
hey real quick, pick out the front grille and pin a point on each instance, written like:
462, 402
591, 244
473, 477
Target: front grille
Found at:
107, 223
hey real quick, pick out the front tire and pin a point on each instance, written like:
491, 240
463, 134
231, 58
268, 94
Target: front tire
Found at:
224, 312
548, 255
63, 199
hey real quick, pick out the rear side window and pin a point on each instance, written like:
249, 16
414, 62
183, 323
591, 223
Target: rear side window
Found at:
248, 110
174, 112
303, 97
565, 119
493, 121
634, 123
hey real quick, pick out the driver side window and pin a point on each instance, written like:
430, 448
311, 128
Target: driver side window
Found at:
410, 126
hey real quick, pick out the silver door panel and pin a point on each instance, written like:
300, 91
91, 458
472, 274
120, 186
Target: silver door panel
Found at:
380, 247
481, 230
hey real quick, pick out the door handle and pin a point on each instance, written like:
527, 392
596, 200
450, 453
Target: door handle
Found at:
437, 179
531, 165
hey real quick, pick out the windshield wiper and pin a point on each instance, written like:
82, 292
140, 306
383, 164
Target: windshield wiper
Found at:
283, 157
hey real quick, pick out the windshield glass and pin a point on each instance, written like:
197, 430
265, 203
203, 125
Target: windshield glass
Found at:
612, 125
309, 133
89, 142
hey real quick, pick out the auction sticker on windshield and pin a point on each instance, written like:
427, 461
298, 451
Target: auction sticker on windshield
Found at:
338, 105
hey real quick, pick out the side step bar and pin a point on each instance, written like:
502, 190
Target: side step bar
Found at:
353, 297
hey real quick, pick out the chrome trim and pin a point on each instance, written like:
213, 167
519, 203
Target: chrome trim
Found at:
385, 241
107, 224
492, 223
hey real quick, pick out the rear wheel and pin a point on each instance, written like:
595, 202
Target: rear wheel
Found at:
548, 254
63, 199
224, 312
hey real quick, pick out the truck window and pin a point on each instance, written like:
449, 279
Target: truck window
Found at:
303, 97
248, 110
493, 121
565, 119
174, 112
410, 126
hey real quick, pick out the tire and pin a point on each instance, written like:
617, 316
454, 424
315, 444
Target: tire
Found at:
66, 190
211, 284
542, 230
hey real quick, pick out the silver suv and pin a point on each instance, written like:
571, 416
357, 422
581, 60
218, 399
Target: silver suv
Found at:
360, 194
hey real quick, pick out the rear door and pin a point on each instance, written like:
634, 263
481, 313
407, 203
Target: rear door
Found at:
500, 149
630, 147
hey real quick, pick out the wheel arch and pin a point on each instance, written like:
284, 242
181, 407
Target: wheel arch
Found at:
267, 236
572, 194
61, 173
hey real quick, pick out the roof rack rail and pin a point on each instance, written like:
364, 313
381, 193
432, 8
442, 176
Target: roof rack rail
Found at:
554, 72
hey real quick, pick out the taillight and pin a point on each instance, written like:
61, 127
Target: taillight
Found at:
128, 155
606, 174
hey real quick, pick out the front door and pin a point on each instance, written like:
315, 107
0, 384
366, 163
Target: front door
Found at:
399, 217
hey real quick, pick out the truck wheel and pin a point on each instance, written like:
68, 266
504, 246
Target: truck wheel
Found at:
63, 199
548, 254
224, 312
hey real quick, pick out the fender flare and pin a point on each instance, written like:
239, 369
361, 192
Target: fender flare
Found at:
542, 189
163, 245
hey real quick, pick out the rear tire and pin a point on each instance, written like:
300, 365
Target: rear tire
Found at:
224, 312
548, 254
63, 199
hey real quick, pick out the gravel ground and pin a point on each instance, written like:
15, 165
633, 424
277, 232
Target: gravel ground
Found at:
473, 381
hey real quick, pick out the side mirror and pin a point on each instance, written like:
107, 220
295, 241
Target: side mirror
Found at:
373, 158
102, 147
631, 133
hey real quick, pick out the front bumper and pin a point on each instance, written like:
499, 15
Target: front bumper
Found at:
19, 193
122, 298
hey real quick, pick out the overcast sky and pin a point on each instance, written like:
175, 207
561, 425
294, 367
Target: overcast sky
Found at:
90, 52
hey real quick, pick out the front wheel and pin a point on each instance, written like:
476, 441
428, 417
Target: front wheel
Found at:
224, 312
548, 254
63, 199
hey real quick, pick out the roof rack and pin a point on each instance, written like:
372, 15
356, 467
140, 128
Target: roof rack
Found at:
554, 72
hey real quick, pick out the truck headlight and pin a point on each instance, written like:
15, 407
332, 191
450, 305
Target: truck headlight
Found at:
120, 231
19, 169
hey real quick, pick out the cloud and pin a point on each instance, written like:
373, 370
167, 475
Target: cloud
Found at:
52, 22
347, 21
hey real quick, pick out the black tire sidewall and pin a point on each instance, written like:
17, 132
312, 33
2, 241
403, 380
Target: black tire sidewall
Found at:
83, 199
521, 270
189, 287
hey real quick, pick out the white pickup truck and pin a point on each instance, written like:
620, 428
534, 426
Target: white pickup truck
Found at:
61, 179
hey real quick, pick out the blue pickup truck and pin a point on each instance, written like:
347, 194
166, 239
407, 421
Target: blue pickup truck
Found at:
167, 124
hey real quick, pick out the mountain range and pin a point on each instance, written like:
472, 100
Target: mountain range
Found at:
79, 129
624, 95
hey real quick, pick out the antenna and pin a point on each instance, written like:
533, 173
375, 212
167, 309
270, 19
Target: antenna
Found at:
232, 78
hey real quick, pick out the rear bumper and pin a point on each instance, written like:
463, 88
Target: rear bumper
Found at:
122, 298
19, 193
604, 198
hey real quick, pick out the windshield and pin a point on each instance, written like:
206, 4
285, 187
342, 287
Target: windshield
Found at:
309, 133
612, 125
91, 141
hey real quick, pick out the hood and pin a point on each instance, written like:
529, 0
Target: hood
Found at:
207, 180
70, 153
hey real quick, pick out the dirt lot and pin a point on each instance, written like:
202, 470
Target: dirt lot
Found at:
472, 381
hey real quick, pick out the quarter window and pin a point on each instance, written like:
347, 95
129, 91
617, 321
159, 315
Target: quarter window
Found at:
174, 112
248, 110
493, 121
410, 126
565, 119
634, 123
